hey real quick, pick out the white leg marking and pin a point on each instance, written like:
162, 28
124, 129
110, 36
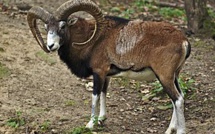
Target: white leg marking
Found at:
180, 116
178, 121
173, 122
102, 114
91, 123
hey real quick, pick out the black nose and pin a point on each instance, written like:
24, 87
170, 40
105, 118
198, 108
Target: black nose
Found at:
51, 46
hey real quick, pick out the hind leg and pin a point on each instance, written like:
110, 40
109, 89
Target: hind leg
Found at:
177, 122
173, 122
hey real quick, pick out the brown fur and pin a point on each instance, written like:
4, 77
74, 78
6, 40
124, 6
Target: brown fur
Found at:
159, 47
128, 45
133, 45
159, 43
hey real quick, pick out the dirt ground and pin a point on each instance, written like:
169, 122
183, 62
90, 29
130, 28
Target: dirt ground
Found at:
52, 100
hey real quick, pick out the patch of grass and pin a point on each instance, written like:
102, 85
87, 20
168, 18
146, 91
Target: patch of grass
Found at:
70, 103
5, 32
147, 4
201, 44
128, 83
136, 6
209, 26
97, 127
16, 121
4, 71
81, 130
45, 57
38, 110
169, 13
186, 85
198, 43
115, 9
211, 13
86, 102
44, 127
2, 49
122, 82
213, 58
84, 130
127, 13
139, 3
135, 84
165, 106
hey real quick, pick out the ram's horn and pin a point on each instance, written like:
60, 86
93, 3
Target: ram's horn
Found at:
34, 14
72, 6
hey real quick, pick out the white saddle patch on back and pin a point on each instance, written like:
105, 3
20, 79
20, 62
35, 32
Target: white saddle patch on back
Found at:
128, 37
145, 75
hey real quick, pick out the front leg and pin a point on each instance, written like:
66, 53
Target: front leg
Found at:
98, 83
94, 108
102, 113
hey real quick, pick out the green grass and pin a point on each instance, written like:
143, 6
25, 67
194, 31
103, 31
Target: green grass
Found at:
209, 27
45, 57
5, 32
44, 127
141, 6
127, 13
2, 49
186, 85
202, 44
130, 11
4, 71
70, 103
211, 13
16, 121
168, 12
81, 130
156, 89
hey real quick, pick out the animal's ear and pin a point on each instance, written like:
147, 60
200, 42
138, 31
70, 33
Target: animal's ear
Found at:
72, 21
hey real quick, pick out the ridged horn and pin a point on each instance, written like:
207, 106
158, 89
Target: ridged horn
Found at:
33, 15
72, 6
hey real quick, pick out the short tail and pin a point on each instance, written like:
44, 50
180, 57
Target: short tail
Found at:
188, 50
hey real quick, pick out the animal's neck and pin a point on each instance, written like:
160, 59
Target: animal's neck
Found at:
82, 30
76, 60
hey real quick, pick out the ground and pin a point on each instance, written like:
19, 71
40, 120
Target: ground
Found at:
37, 88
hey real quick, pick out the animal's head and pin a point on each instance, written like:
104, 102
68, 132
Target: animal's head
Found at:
57, 24
57, 32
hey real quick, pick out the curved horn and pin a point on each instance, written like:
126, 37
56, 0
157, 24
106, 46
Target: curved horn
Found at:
38, 13
72, 6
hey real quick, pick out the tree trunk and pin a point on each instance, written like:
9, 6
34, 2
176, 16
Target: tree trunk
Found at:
196, 12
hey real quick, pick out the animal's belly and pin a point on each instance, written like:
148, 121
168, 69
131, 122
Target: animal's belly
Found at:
145, 75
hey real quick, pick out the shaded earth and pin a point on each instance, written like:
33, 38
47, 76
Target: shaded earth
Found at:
52, 100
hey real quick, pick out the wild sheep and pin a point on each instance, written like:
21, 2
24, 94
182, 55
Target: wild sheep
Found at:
113, 46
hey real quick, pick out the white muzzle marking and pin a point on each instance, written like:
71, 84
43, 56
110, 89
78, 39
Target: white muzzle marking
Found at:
53, 41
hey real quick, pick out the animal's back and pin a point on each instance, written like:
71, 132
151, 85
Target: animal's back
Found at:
137, 40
